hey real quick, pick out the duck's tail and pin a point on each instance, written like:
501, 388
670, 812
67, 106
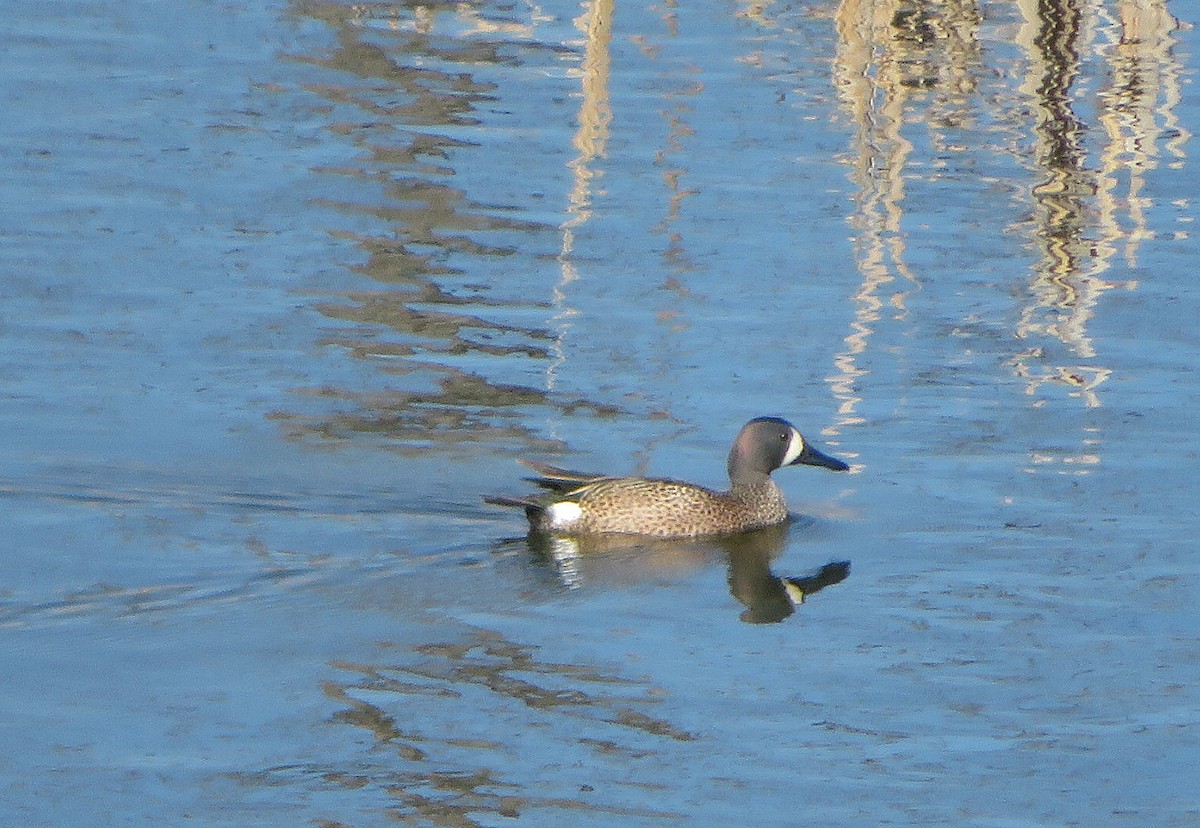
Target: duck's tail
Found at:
533, 509
516, 502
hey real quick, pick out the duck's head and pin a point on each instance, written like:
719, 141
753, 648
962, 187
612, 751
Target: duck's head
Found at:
768, 443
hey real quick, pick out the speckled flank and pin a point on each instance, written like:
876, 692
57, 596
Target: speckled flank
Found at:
668, 508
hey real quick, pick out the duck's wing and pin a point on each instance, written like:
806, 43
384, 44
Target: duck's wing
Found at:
560, 480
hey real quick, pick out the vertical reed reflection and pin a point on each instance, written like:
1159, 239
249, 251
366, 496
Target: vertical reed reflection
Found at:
1063, 290
878, 151
1079, 210
1143, 72
910, 67
590, 142
888, 55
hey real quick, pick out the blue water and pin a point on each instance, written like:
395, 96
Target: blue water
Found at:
286, 289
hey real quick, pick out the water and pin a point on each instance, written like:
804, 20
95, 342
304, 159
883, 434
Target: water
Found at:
287, 288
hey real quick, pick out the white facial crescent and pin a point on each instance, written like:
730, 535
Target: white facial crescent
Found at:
795, 446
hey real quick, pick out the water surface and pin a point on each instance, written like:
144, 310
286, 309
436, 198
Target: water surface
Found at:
288, 287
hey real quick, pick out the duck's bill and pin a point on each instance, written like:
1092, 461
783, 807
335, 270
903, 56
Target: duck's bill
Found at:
811, 457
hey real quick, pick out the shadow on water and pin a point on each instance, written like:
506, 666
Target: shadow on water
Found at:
625, 559
768, 597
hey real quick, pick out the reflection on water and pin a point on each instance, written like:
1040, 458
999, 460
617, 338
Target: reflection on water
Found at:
897, 64
1066, 284
631, 559
446, 310
407, 90
1078, 212
590, 141
906, 68
769, 598
434, 765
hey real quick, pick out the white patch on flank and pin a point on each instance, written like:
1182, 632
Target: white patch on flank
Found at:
795, 446
564, 514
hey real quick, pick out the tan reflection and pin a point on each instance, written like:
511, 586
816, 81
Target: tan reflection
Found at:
629, 559
889, 52
756, 10
590, 142
1142, 88
900, 62
421, 18
430, 715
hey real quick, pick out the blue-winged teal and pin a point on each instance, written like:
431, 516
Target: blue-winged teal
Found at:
587, 504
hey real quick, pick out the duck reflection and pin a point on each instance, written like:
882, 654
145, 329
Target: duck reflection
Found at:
631, 559
768, 597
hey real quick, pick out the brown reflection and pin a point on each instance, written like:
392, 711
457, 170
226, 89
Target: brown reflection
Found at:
630, 559
431, 716
409, 99
613, 559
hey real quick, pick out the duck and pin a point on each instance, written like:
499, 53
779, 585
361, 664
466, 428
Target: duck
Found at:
581, 504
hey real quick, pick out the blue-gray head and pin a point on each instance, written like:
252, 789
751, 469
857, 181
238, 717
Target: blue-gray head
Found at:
767, 443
